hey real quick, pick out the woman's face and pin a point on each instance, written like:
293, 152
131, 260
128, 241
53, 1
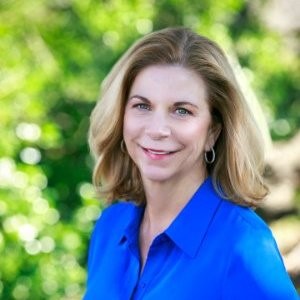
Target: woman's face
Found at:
168, 125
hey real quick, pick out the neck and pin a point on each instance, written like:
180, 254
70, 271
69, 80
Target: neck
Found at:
165, 201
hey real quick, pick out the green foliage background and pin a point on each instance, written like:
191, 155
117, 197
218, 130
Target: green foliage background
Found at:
54, 54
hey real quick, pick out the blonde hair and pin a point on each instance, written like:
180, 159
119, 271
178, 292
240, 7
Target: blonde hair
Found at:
237, 170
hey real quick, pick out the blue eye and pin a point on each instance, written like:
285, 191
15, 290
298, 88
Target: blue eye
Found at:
142, 106
182, 111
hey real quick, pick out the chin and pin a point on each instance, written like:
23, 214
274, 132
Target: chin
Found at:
157, 176
162, 177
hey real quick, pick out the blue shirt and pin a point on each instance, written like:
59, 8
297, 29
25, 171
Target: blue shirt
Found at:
214, 249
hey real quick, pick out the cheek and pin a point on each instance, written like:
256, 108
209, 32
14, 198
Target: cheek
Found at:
194, 133
127, 125
130, 134
196, 138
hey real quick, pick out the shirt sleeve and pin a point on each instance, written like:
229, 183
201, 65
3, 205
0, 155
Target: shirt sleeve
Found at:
93, 246
256, 270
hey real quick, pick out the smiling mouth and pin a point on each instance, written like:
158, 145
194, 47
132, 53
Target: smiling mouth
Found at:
157, 152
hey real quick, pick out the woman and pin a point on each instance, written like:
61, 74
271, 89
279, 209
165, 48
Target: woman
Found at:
174, 139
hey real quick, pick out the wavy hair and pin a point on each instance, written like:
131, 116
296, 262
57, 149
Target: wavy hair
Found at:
237, 170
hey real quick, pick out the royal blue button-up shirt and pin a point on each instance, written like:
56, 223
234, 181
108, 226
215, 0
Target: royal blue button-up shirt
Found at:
214, 249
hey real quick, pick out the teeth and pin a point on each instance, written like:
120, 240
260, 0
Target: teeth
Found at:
158, 152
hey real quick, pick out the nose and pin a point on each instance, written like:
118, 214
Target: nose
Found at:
158, 127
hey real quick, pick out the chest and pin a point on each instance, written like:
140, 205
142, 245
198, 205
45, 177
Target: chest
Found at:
168, 273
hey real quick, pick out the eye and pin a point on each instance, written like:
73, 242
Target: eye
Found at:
182, 111
142, 106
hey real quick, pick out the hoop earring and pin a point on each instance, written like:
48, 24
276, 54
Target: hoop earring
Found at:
212, 154
123, 146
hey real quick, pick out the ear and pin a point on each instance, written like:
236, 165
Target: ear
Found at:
212, 136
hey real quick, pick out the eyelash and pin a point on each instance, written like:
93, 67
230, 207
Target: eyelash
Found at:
186, 111
180, 111
141, 106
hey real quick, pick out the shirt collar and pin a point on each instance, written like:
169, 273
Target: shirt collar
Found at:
188, 229
131, 232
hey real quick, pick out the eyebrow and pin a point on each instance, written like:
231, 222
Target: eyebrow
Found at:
139, 97
182, 103
178, 103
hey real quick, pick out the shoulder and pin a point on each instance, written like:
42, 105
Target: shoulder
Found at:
254, 240
115, 215
235, 217
109, 229
251, 237
255, 266
118, 208
244, 223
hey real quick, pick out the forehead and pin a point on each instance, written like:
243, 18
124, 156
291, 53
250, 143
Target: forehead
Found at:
169, 81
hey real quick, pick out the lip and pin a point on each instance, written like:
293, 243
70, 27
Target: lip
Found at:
157, 154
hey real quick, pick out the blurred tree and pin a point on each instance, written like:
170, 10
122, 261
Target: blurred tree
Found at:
54, 55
